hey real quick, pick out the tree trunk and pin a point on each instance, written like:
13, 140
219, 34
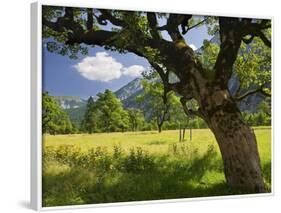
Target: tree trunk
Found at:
238, 146
159, 128
180, 134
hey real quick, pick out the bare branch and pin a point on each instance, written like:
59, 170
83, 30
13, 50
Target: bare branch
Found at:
251, 92
196, 25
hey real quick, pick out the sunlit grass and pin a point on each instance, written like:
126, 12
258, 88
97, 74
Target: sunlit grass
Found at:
149, 140
116, 167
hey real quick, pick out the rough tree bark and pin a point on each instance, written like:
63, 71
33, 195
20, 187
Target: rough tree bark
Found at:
237, 143
217, 107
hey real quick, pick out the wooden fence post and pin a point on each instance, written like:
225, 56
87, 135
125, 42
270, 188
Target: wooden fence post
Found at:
180, 135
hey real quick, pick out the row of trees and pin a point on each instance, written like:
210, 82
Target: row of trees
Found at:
107, 114
260, 118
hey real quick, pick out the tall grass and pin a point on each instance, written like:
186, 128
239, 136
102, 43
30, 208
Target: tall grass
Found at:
74, 175
100, 168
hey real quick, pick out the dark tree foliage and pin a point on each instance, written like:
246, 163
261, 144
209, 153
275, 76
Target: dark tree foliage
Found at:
106, 114
136, 119
54, 119
111, 115
89, 122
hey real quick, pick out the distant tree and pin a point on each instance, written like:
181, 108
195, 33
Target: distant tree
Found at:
111, 115
158, 103
260, 119
54, 119
265, 107
89, 122
136, 119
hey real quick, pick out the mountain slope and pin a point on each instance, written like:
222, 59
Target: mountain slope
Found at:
74, 106
129, 92
68, 102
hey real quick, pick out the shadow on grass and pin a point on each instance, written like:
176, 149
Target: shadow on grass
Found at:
266, 171
166, 177
156, 142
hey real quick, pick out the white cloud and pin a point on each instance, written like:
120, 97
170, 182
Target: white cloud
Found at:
103, 67
193, 46
133, 71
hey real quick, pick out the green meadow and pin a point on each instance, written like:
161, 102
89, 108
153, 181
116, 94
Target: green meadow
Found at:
135, 166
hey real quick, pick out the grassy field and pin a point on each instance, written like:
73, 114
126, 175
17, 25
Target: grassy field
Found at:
131, 166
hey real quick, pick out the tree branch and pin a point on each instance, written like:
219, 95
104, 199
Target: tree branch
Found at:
265, 40
173, 22
90, 19
92, 37
251, 92
106, 15
185, 20
187, 111
232, 33
64, 23
229, 47
255, 29
164, 76
238, 90
195, 25
152, 22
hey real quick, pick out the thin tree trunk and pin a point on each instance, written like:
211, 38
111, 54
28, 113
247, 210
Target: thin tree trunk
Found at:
180, 134
159, 128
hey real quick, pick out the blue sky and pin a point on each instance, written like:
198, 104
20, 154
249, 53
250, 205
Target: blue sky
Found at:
99, 70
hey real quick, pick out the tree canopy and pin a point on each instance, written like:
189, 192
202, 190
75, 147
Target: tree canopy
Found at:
54, 119
90, 120
106, 114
